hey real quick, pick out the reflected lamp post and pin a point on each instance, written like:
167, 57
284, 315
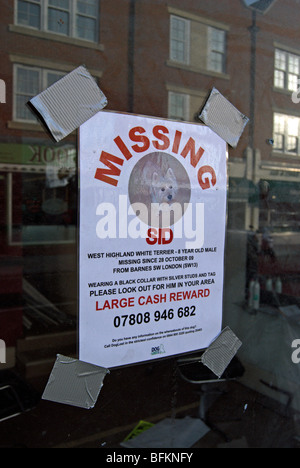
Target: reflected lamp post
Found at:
257, 7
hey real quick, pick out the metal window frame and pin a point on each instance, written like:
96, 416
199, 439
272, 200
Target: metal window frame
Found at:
186, 104
73, 12
211, 50
286, 72
187, 39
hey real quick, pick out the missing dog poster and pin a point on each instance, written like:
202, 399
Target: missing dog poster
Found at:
152, 234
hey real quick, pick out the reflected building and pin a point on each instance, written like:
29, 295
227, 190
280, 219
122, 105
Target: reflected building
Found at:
153, 58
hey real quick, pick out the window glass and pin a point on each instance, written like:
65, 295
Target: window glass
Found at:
86, 28
77, 19
58, 21
286, 72
29, 14
87, 7
178, 106
286, 133
280, 69
52, 77
179, 39
28, 84
217, 50
62, 4
157, 61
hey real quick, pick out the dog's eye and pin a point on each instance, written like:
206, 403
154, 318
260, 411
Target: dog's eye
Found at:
170, 187
163, 189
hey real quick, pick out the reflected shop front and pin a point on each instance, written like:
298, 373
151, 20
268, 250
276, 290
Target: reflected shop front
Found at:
149, 226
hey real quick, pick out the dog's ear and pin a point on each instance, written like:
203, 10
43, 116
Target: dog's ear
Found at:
170, 174
154, 178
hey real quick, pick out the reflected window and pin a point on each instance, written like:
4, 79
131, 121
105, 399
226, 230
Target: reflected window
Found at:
216, 50
29, 13
59, 16
27, 86
180, 38
198, 45
86, 19
286, 134
179, 105
287, 70
30, 81
73, 18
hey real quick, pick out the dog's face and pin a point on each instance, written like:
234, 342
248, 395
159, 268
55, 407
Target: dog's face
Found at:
164, 188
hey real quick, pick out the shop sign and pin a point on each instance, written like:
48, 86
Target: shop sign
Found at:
152, 233
13, 153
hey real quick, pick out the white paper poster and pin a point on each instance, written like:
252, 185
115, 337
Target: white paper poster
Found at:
152, 234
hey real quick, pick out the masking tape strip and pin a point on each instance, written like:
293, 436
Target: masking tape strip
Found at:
223, 118
221, 352
74, 382
69, 102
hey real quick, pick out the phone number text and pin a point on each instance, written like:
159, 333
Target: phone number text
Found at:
146, 317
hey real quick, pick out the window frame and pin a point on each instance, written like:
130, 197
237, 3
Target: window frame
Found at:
46, 17
43, 84
187, 32
35, 2
286, 136
186, 109
287, 73
191, 62
211, 50
73, 15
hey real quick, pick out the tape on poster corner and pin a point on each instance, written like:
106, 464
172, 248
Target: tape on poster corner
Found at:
220, 353
223, 118
69, 102
73, 382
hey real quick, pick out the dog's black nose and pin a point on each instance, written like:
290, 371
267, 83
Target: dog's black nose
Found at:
169, 197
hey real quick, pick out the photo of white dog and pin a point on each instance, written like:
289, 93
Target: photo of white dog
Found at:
163, 187
161, 183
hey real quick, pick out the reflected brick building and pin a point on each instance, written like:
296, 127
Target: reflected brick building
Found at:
149, 57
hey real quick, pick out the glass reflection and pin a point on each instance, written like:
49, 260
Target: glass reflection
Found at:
159, 60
